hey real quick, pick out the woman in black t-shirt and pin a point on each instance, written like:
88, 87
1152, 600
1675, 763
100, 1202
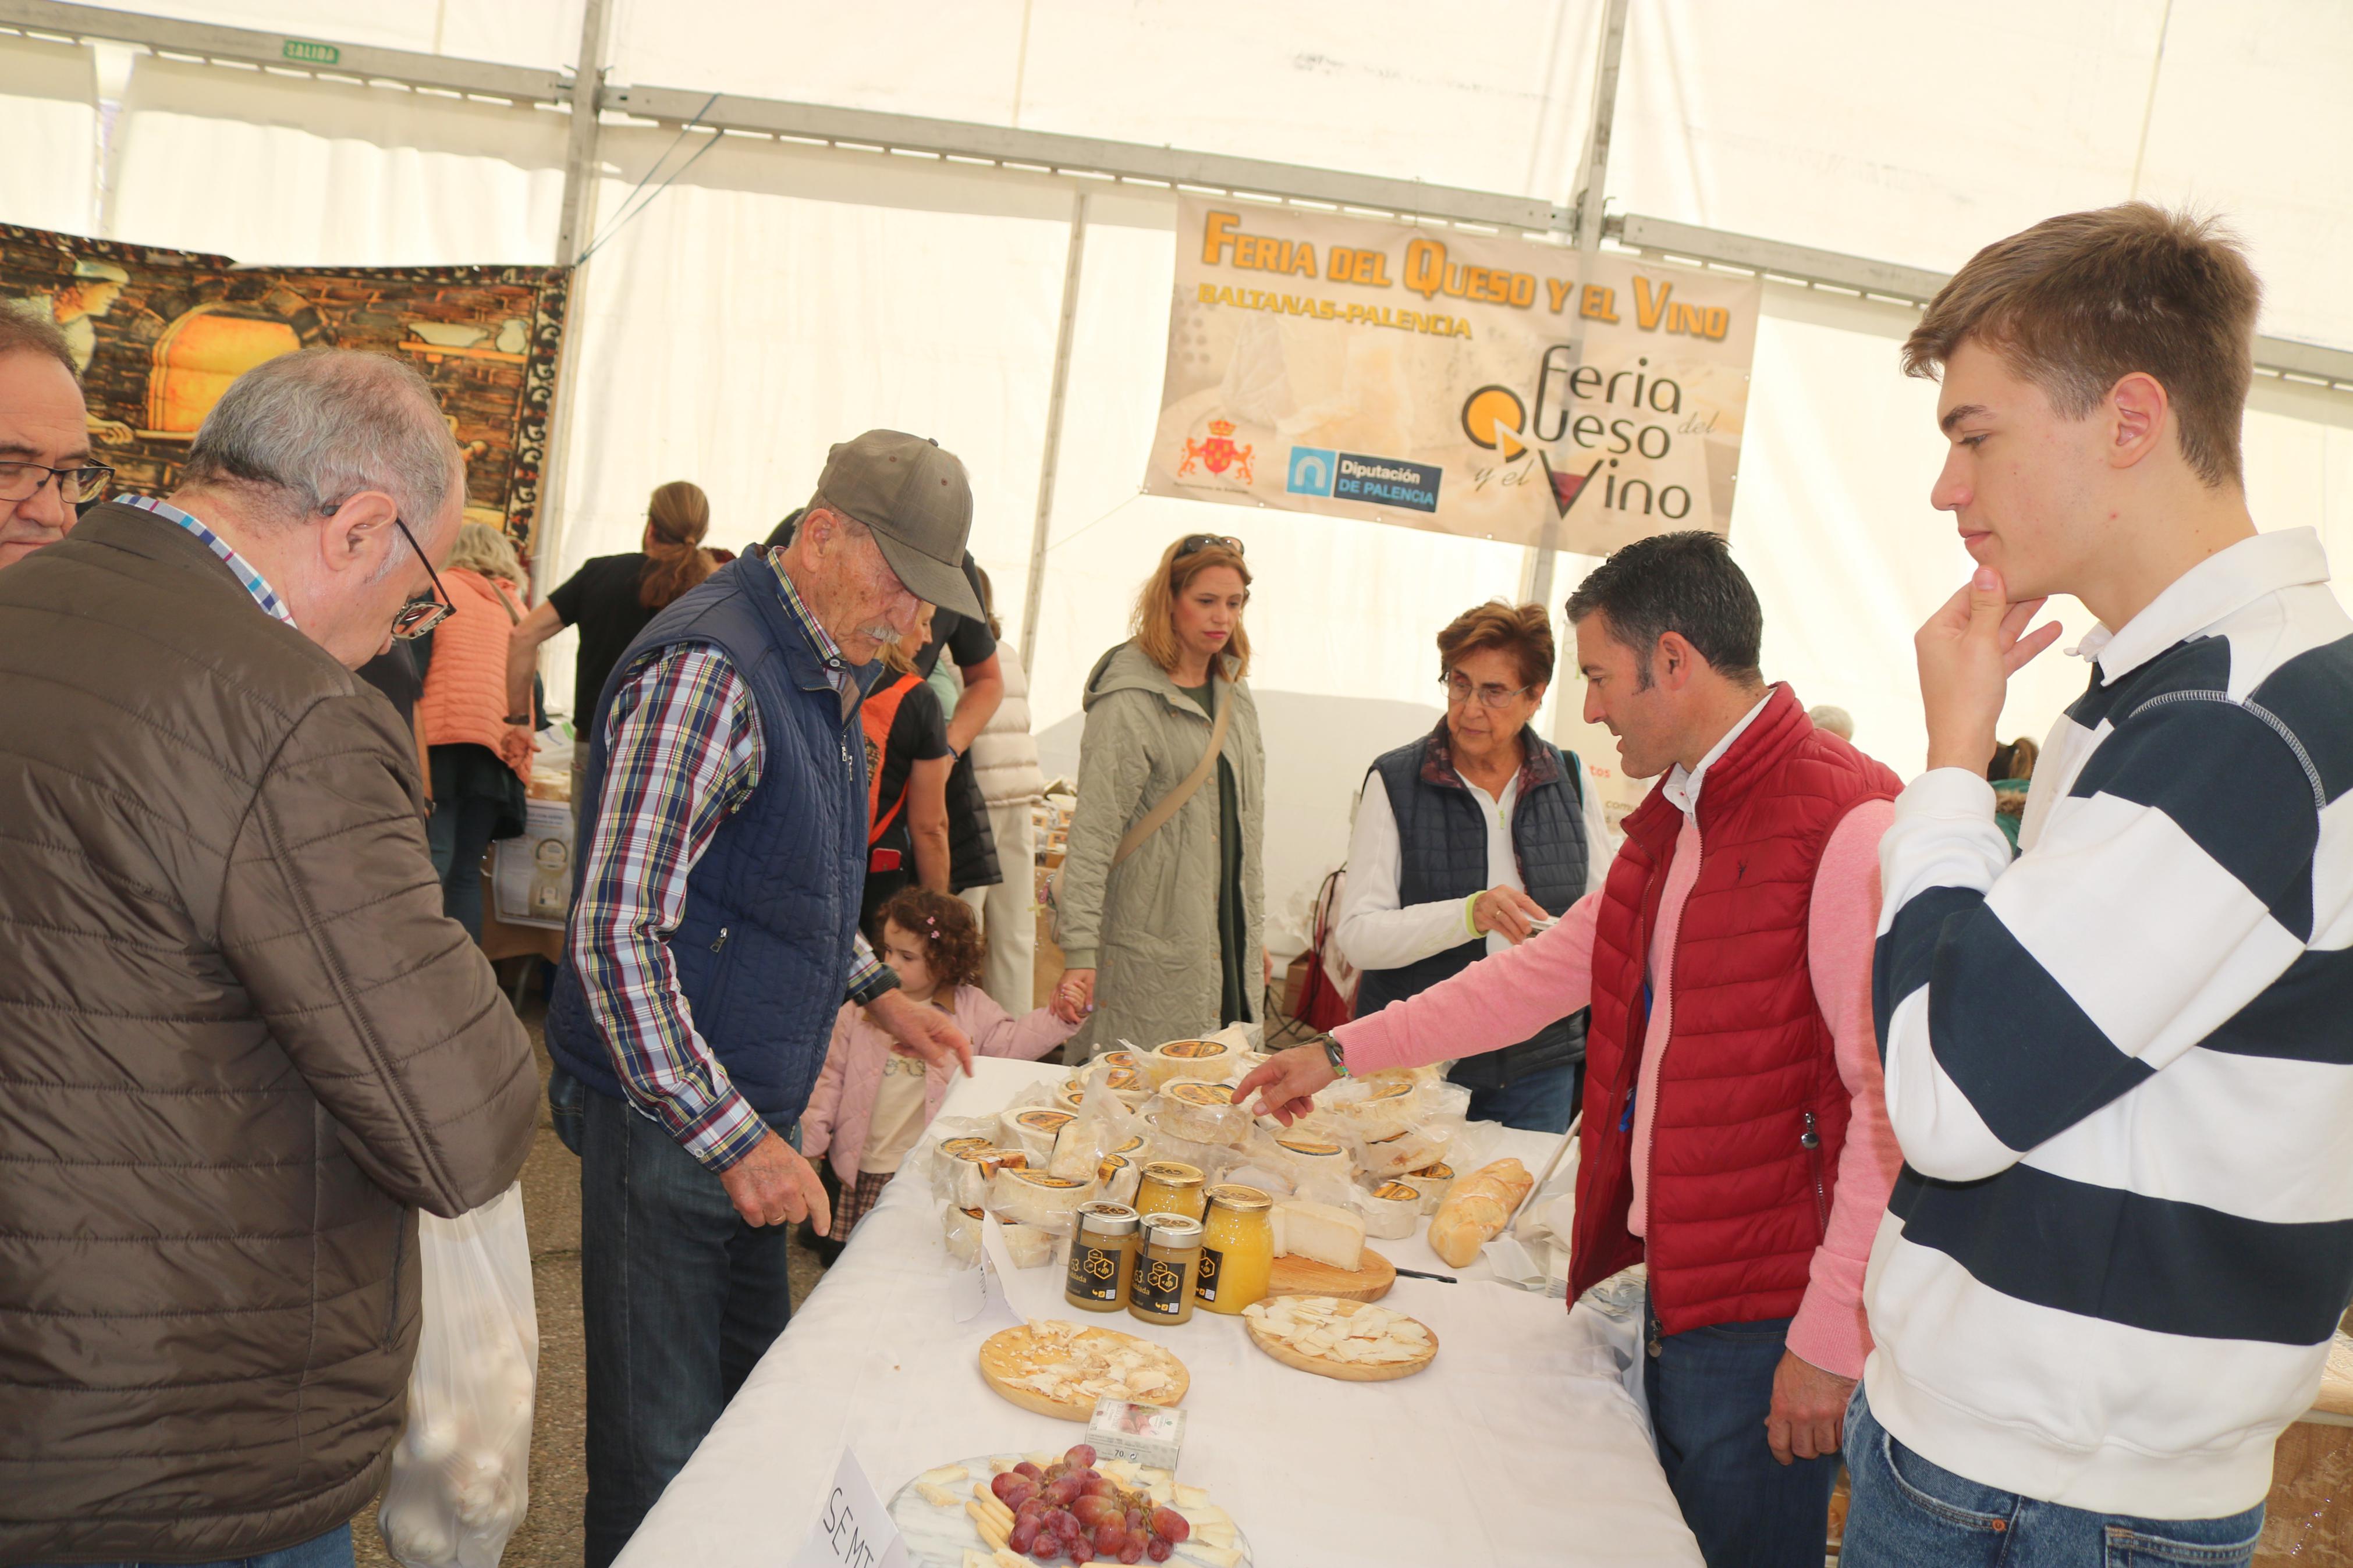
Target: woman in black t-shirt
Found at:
610, 598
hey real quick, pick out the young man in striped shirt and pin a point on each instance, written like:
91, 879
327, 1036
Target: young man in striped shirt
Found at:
2121, 1068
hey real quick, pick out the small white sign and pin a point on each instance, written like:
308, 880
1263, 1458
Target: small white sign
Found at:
853, 1527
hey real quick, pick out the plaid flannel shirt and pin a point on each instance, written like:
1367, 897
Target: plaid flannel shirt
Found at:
681, 756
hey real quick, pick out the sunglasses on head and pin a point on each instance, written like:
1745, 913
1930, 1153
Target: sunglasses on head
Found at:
1194, 544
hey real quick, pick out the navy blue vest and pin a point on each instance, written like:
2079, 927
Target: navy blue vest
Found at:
1442, 855
763, 948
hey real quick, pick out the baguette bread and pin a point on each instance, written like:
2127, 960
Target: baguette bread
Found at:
1476, 1210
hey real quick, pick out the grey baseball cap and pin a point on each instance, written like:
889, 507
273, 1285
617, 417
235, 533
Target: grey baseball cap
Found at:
918, 503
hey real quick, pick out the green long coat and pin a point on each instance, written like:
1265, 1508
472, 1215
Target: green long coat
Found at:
1149, 927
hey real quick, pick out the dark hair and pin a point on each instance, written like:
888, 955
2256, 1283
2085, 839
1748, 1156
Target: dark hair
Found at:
1523, 631
2014, 761
1686, 584
23, 334
2080, 301
954, 941
679, 515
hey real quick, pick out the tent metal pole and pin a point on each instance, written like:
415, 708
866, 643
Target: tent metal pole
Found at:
1593, 179
1053, 446
583, 173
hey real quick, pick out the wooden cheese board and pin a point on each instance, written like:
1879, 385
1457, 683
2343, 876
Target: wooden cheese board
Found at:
1012, 1358
1328, 1366
1368, 1282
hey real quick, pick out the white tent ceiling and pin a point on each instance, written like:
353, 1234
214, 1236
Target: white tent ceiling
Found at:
778, 297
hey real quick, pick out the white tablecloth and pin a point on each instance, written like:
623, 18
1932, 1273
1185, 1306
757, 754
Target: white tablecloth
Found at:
1520, 1445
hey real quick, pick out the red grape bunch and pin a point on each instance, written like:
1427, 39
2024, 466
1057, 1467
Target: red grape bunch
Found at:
1071, 1509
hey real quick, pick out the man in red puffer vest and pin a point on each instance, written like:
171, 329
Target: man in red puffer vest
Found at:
1734, 1136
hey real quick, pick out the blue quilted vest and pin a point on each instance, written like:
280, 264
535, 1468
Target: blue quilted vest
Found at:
1443, 856
763, 948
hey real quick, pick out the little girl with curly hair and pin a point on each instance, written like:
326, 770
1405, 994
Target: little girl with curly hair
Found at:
872, 1102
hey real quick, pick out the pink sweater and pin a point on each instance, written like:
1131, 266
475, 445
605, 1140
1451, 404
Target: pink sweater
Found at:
1512, 995
843, 1101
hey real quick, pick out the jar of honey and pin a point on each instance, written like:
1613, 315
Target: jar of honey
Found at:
1102, 1258
1170, 1186
1237, 1248
1163, 1289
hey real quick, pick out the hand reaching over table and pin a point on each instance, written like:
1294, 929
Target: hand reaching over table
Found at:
1290, 1079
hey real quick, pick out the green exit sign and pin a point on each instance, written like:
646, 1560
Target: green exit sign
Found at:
305, 53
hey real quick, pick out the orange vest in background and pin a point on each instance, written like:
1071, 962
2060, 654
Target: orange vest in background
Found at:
880, 708
465, 699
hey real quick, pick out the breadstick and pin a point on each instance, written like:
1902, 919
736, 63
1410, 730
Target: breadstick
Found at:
1476, 1210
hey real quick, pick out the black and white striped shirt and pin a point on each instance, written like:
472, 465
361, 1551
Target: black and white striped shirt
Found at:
2121, 1068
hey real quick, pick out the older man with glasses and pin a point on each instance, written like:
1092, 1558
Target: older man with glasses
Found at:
1469, 840
46, 473
244, 1045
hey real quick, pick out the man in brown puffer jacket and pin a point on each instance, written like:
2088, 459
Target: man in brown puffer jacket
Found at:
239, 1043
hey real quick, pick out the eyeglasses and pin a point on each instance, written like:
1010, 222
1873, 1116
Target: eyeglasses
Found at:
23, 481
420, 615
1194, 544
1459, 691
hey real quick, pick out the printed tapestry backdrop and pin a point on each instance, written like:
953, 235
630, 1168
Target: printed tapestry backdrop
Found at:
1421, 376
160, 333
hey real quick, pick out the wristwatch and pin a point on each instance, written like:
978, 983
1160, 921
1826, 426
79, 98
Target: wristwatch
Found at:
1337, 1056
884, 979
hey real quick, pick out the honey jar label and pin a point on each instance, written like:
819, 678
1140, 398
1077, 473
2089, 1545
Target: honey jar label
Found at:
1094, 1273
1204, 1283
1159, 1288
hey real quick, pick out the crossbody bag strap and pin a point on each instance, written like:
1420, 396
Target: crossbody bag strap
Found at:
1177, 797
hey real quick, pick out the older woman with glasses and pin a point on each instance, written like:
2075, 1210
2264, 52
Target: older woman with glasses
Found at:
1469, 840
1161, 903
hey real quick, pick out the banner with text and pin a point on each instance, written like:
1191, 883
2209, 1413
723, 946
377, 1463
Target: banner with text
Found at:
1426, 377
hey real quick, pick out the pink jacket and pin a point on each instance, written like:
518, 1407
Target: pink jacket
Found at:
1552, 975
843, 1101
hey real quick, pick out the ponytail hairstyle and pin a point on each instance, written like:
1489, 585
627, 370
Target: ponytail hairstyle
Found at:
679, 515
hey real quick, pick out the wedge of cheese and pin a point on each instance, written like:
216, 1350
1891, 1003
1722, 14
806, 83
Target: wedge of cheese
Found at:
1321, 1232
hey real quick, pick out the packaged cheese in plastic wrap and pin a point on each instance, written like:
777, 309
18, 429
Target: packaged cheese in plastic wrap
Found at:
1408, 1151
1033, 1198
1031, 1130
1392, 1211
953, 1139
1212, 1159
459, 1478
963, 1228
1214, 1061
1379, 1106
1204, 1112
1318, 1168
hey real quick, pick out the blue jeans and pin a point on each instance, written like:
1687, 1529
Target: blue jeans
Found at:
1710, 1389
1907, 1510
333, 1549
678, 1298
458, 835
1541, 1102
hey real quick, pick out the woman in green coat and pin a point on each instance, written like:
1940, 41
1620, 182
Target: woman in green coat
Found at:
1168, 942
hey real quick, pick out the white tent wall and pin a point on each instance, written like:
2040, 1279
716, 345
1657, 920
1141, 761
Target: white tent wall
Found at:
48, 123
1490, 98
297, 172
1922, 136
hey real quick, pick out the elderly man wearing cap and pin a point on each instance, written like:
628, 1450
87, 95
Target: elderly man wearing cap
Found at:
713, 936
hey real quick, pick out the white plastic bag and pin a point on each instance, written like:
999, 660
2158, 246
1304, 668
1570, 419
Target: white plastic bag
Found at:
459, 1472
